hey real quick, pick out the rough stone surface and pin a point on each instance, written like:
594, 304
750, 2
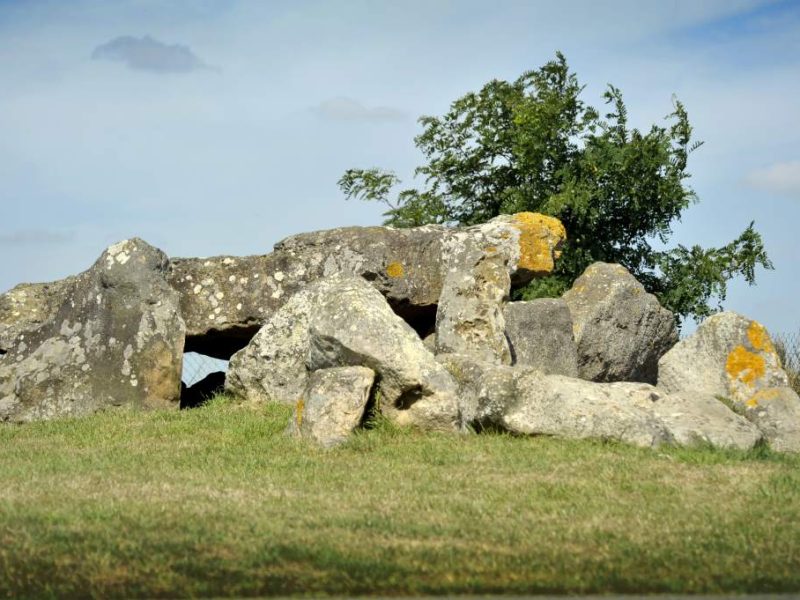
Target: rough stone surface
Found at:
27, 307
776, 412
540, 335
574, 408
729, 355
481, 262
355, 326
226, 299
272, 367
116, 339
699, 419
621, 331
485, 390
332, 404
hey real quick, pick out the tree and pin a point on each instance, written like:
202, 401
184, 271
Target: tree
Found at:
534, 145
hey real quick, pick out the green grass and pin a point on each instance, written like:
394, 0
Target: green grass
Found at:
217, 501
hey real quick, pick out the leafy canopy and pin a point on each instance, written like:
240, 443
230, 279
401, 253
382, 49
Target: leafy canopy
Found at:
534, 145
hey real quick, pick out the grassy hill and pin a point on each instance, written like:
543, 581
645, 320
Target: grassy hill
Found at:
217, 501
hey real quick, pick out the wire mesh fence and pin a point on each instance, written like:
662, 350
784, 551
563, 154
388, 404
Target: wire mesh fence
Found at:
197, 366
788, 347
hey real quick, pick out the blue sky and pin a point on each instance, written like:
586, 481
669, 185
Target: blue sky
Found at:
222, 127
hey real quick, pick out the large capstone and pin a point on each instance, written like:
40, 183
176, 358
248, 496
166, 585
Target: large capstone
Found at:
332, 404
115, 339
540, 335
621, 331
354, 326
226, 299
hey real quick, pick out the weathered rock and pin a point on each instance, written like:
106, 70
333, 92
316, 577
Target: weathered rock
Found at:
696, 418
621, 331
574, 408
225, 300
429, 341
355, 326
776, 413
332, 404
732, 357
540, 335
27, 307
272, 367
116, 339
729, 355
485, 390
481, 262
205, 389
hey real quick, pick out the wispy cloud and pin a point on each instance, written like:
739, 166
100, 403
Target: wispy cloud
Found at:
347, 109
149, 54
780, 178
34, 237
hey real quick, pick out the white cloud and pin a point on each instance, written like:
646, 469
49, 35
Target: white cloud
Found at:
780, 178
34, 237
148, 54
347, 109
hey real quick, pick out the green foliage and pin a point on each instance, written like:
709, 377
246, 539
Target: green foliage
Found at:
534, 145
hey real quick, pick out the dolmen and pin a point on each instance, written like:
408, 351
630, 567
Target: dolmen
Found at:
415, 324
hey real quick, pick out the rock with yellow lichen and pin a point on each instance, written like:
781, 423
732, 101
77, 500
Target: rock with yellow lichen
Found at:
733, 357
481, 263
621, 331
111, 336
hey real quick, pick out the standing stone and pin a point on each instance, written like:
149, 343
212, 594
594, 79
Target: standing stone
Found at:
572, 408
540, 335
116, 339
732, 357
481, 263
272, 367
621, 331
729, 355
332, 404
354, 325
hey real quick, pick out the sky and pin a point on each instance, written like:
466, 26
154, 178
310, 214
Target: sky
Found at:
208, 127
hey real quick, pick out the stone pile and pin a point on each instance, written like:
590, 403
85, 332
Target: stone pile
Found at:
417, 324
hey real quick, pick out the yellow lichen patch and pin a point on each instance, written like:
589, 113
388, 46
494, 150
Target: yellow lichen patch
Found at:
540, 241
299, 408
759, 338
490, 249
762, 396
395, 270
745, 366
